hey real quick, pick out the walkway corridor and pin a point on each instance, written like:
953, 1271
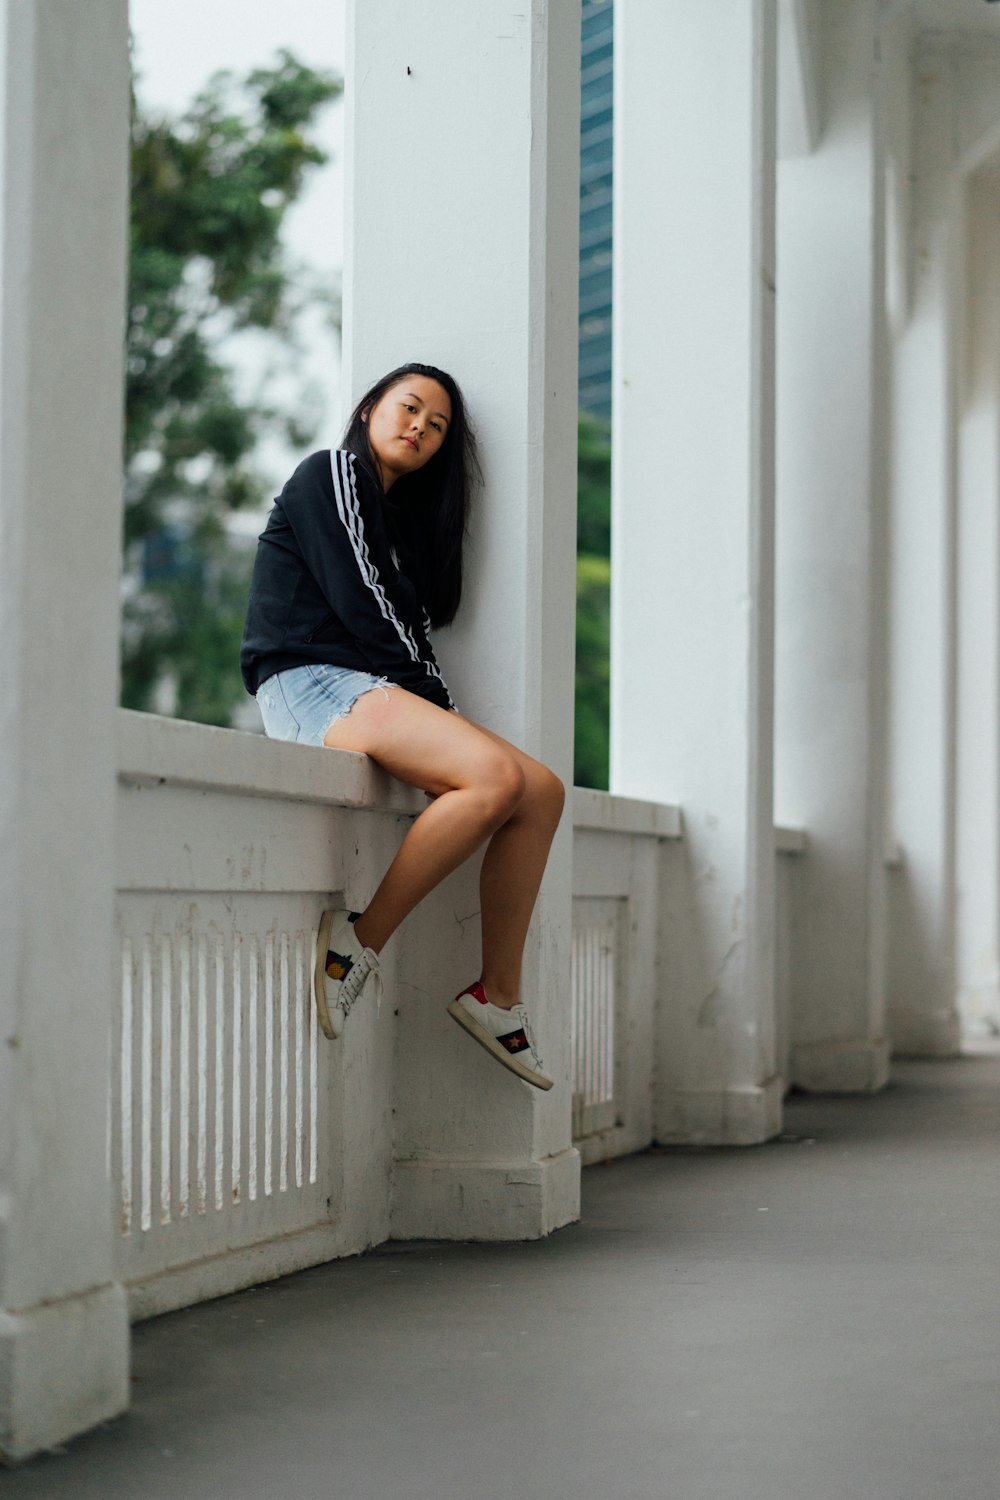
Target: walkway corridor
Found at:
816, 1319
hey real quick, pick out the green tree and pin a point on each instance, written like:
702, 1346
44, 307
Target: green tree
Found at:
593, 603
593, 467
210, 190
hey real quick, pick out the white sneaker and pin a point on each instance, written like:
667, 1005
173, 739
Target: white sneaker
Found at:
343, 968
504, 1033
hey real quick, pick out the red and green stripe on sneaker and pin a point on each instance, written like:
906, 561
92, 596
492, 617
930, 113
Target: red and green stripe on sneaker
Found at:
506, 1034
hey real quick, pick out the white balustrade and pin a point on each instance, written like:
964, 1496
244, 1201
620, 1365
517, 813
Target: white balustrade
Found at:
215, 1093
598, 997
789, 844
239, 1138
619, 1007
242, 1144
614, 981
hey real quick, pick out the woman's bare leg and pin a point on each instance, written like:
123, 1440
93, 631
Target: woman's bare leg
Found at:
483, 786
476, 784
512, 871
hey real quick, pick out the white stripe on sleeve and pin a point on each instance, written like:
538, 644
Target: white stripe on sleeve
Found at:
346, 496
345, 492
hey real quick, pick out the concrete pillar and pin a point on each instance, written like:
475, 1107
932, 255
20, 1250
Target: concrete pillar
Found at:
977, 781
800, 91
63, 1326
461, 251
831, 567
922, 1014
946, 574
692, 554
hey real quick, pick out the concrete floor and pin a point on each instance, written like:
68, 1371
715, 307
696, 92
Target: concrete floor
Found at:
815, 1319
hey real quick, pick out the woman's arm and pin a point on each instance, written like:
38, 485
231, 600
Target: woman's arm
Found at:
427, 652
331, 504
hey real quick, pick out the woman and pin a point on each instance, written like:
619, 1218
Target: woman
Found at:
361, 556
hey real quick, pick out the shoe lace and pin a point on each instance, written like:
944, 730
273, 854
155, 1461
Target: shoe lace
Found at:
363, 968
522, 1015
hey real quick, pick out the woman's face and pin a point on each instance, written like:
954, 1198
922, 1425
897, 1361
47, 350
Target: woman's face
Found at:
407, 426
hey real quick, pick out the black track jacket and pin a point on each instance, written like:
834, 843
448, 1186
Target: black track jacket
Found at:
327, 586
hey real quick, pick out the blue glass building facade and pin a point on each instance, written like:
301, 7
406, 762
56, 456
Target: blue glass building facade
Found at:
595, 206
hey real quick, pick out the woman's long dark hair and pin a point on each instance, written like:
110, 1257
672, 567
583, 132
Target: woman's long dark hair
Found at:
429, 509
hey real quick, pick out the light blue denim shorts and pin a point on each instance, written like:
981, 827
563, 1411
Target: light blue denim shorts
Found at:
302, 702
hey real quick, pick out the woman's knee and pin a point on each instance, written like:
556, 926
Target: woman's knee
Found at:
500, 787
547, 792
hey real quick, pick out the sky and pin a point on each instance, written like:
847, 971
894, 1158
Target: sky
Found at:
179, 44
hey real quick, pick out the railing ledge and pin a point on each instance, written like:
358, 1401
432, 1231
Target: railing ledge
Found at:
606, 812
790, 840
155, 751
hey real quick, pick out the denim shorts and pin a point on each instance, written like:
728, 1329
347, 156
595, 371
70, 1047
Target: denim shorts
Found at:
302, 702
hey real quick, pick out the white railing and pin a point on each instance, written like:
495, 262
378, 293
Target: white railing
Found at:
598, 946
226, 1138
789, 843
214, 1080
240, 1148
229, 1123
616, 925
617, 921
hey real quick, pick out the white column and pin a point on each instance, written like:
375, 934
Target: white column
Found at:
922, 1015
977, 780
692, 554
63, 1324
461, 251
831, 568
